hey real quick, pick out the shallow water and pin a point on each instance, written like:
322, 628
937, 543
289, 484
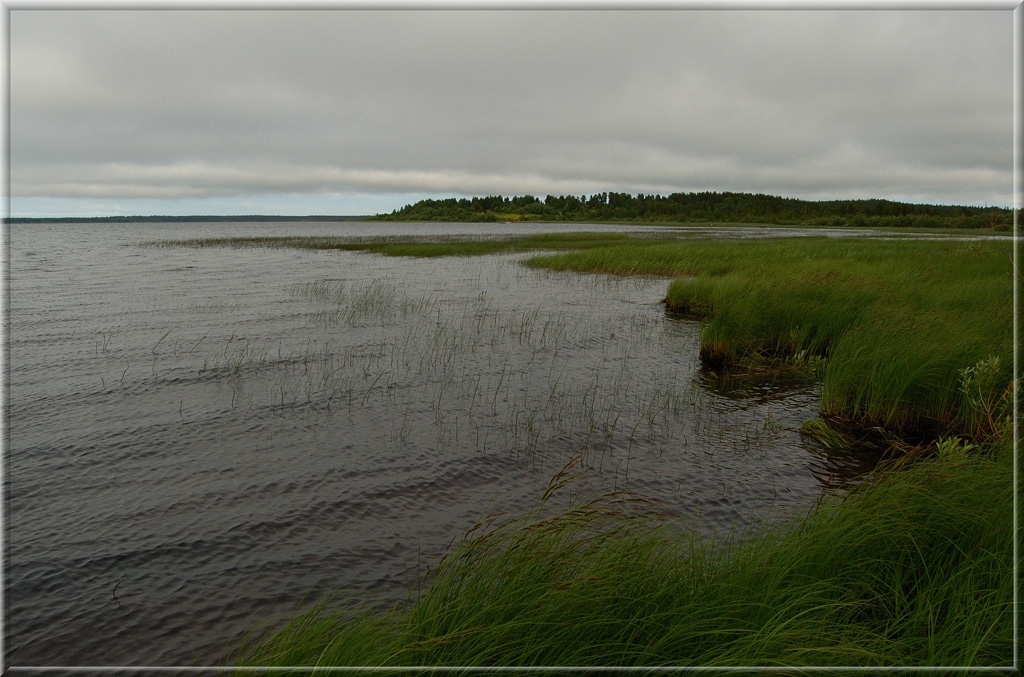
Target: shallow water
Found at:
200, 438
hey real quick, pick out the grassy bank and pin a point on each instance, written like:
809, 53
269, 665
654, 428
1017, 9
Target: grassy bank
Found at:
915, 570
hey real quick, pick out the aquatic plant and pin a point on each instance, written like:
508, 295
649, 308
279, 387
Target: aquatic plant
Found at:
826, 435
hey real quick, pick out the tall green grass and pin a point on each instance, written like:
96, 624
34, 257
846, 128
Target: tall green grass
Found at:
914, 570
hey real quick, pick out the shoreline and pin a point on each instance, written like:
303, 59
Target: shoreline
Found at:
892, 574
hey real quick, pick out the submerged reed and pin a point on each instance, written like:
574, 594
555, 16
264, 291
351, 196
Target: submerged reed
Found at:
492, 377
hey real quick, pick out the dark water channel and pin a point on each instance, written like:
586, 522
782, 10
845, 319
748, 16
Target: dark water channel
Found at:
198, 438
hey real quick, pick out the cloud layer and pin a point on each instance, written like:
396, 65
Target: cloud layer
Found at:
176, 104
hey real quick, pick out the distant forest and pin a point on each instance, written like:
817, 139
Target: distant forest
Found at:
704, 208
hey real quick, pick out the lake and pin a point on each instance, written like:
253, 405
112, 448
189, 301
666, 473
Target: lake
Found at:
201, 438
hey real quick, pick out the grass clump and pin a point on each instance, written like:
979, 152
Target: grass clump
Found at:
826, 435
913, 569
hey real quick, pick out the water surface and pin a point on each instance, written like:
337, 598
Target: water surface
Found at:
200, 438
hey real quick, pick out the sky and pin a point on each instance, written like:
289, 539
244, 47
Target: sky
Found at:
349, 111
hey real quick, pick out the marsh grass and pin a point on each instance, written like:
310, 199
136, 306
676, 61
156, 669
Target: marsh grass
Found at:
912, 569
912, 337
382, 300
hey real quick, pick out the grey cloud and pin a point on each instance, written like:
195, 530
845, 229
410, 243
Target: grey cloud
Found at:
813, 103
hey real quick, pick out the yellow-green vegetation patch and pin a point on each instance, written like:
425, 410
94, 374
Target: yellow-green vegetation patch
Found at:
826, 435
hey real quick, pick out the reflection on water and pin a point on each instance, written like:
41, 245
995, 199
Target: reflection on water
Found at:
199, 437
841, 470
752, 384
835, 470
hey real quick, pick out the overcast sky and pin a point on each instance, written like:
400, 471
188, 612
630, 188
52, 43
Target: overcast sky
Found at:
355, 112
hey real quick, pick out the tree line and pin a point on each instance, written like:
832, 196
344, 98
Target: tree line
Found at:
706, 207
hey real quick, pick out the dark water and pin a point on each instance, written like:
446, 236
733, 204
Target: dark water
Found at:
199, 438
